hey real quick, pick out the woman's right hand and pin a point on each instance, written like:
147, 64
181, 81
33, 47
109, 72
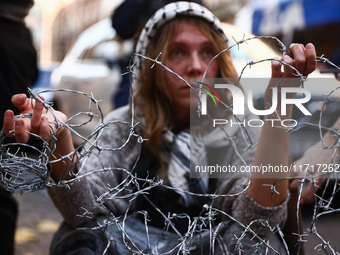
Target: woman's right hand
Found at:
38, 124
41, 123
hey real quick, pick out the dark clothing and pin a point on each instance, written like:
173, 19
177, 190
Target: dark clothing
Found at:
8, 215
133, 14
18, 64
127, 16
18, 71
15, 10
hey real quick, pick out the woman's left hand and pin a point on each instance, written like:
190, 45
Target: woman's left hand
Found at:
303, 62
273, 145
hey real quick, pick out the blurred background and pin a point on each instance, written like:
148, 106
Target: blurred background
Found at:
57, 23
79, 50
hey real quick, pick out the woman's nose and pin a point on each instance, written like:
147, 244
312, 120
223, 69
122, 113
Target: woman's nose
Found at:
195, 65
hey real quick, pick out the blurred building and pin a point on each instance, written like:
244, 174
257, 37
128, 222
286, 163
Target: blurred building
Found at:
57, 23
225, 9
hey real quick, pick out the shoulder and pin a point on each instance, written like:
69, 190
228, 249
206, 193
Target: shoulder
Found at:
116, 131
115, 141
121, 113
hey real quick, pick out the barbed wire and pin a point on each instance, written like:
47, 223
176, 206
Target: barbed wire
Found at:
23, 173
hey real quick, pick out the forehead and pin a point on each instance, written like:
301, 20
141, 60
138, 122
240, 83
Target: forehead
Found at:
188, 29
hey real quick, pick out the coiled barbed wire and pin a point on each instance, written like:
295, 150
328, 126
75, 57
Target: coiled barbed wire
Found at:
22, 173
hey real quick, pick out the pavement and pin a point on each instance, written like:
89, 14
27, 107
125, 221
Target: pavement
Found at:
39, 219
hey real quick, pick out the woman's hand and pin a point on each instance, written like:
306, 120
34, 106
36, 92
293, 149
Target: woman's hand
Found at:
273, 145
303, 61
42, 123
38, 124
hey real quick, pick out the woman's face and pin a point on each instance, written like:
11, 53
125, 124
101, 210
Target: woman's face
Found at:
189, 55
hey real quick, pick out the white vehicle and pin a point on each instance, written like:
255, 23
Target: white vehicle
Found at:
90, 70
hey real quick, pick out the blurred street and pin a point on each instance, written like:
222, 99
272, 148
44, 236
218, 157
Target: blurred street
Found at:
38, 220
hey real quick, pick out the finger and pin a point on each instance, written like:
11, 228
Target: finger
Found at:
36, 116
299, 53
287, 68
308, 193
310, 59
276, 67
276, 71
20, 101
44, 131
8, 122
311, 188
20, 131
294, 184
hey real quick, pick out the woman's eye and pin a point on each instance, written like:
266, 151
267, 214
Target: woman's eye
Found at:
208, 52
177, 53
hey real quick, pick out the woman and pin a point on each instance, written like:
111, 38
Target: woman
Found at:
137, 183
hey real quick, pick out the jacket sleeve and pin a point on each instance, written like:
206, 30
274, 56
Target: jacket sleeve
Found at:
103, 178
237, 203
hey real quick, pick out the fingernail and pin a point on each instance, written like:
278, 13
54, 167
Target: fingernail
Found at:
8, 114
273, 63
19, 98
38, 102
309, 46
286, 58
18, 123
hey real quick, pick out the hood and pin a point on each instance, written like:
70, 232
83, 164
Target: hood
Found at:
166, 14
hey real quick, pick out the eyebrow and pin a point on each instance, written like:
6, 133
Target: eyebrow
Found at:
181, 43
